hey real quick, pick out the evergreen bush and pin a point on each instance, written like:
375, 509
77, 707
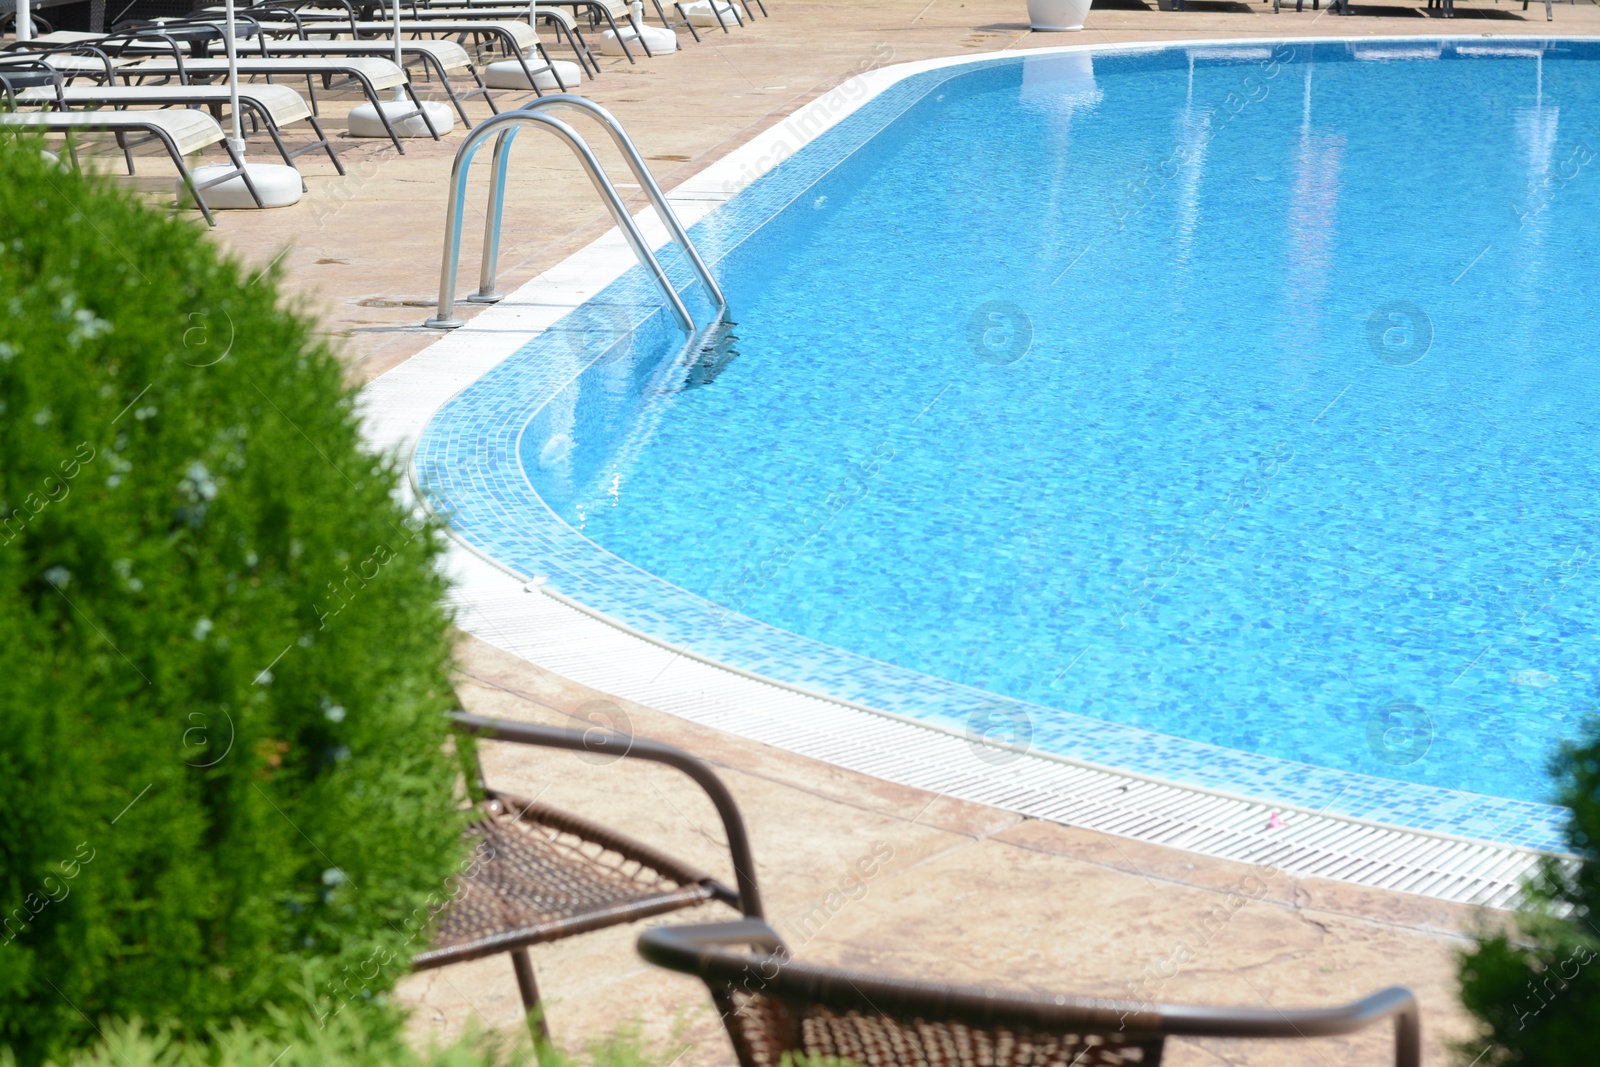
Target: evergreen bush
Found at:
223, 652
1534, 985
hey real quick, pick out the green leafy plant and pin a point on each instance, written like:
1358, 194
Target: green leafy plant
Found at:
284, 1039
223, 655
287, 1039
1534, 987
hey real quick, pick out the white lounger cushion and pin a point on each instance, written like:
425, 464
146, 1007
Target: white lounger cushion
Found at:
561, 15
190, 130
381, 72
67, 37
69, 64
509, 13
521, 32
280, 101
448, 54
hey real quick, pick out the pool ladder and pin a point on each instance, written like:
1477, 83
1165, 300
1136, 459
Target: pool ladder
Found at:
504, 128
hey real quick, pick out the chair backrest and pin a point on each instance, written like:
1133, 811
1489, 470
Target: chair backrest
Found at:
766, 1025
612, 745
772, 1005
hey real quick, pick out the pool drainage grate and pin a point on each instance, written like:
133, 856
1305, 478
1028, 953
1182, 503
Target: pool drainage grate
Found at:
542, 627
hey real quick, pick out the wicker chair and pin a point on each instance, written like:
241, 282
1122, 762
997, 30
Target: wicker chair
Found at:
772, 1006
541, 875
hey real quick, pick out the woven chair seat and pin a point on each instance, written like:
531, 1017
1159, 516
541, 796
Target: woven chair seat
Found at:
540, 874
764, 1029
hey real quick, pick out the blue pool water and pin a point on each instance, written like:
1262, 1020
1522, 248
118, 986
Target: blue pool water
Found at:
1242, 396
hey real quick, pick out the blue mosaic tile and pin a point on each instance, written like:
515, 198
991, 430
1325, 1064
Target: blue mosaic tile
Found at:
470, 465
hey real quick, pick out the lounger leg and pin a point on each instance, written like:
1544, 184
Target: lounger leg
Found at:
460, 107
327, 145
426, 120
642, 42
483, 90
620, 39
686, 21
528, 72
238, 162
256, 118
580, 53
561, 86
188, 179
383, 116
579, 45
444, 80
127, 151
530, 995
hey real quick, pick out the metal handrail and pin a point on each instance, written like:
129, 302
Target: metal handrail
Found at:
445, 319
504, 127
630, 153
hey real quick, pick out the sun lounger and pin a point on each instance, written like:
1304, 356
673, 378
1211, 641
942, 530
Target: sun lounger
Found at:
438, 57
72, 60
273, 106
609, 10
182, 132
517, 40
370, 73
563, 22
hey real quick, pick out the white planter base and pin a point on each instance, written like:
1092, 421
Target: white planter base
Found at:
508, 74
700, 13
278, 185
1052, 16
364, 120
660, 39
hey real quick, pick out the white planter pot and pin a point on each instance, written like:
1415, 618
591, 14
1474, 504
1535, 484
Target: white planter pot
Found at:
1058, 14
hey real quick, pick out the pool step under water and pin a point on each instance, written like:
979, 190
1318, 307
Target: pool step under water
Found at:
545, 628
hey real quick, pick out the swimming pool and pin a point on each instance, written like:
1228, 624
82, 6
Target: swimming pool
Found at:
1220, 413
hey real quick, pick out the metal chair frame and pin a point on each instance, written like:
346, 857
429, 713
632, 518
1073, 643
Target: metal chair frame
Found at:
911, 1009
745, 895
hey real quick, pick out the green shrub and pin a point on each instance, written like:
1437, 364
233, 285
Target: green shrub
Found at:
1535, 988
223, 655
285, 1040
